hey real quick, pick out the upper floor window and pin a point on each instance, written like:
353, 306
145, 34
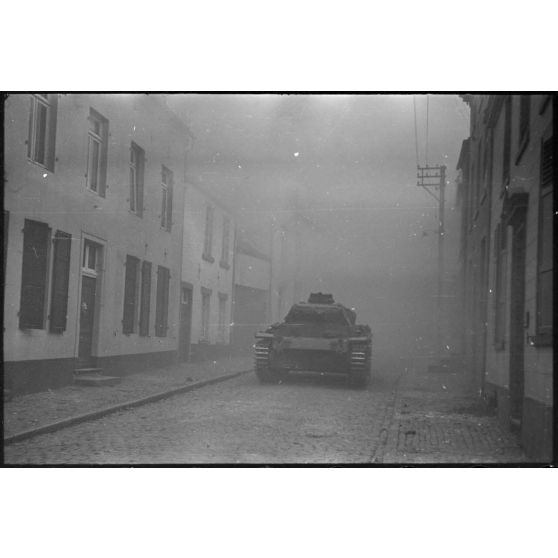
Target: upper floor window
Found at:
208, 239
137, 167
524, 120
166, 198
225, 245
42, 129
97, 148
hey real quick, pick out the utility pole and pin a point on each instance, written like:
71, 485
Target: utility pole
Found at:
435, 177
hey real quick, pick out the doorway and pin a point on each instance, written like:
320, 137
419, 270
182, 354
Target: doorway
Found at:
185, 322
517, 220
517, 312
88, 318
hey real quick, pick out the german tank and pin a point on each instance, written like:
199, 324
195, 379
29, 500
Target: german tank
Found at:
318, 336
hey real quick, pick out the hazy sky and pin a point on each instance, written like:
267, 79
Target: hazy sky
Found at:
350, 161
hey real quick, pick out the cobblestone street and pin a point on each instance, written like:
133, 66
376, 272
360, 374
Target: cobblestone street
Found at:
402, 417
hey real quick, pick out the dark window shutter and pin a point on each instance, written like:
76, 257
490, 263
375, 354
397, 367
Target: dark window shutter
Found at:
141, 173
60, 281
130, 283
166, 302
33, 275
145, 298
161, 312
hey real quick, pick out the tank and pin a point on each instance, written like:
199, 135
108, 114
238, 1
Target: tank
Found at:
316, 336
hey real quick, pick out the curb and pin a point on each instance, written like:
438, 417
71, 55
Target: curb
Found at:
92, 415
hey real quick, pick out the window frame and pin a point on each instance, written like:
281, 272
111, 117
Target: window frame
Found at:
101, 140
48, 135
137, 177
167, 181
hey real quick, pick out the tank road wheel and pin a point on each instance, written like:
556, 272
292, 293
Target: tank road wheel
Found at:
359, 370
264, 371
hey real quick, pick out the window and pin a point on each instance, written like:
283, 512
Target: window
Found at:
145, 298
162, 309
507, 142
97, 147
225, 246
42, 130
130, 294
90, 257
166, 198
208, 240
206, 297
501, 277
60, 281
524, 120
137, 167
544, 275
34, 275
222, 317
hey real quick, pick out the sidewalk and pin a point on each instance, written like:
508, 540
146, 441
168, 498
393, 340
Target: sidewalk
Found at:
36, 410
439, 419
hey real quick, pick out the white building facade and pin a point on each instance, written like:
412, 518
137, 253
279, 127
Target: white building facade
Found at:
93, 197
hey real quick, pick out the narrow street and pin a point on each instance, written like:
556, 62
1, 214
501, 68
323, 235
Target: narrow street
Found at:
402, 417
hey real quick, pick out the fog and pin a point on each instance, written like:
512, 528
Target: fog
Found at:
348, 164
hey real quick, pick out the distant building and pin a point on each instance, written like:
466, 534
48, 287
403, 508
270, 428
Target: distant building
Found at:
93, 197
506, 195
252, 277
207, 276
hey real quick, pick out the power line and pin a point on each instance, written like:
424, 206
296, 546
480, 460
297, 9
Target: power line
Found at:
416, 136
426, 148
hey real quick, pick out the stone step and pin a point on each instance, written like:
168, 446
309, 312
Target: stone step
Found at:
87, 371
95, 380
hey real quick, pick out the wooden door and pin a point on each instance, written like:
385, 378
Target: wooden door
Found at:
517, 332
86, 318
185, 322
